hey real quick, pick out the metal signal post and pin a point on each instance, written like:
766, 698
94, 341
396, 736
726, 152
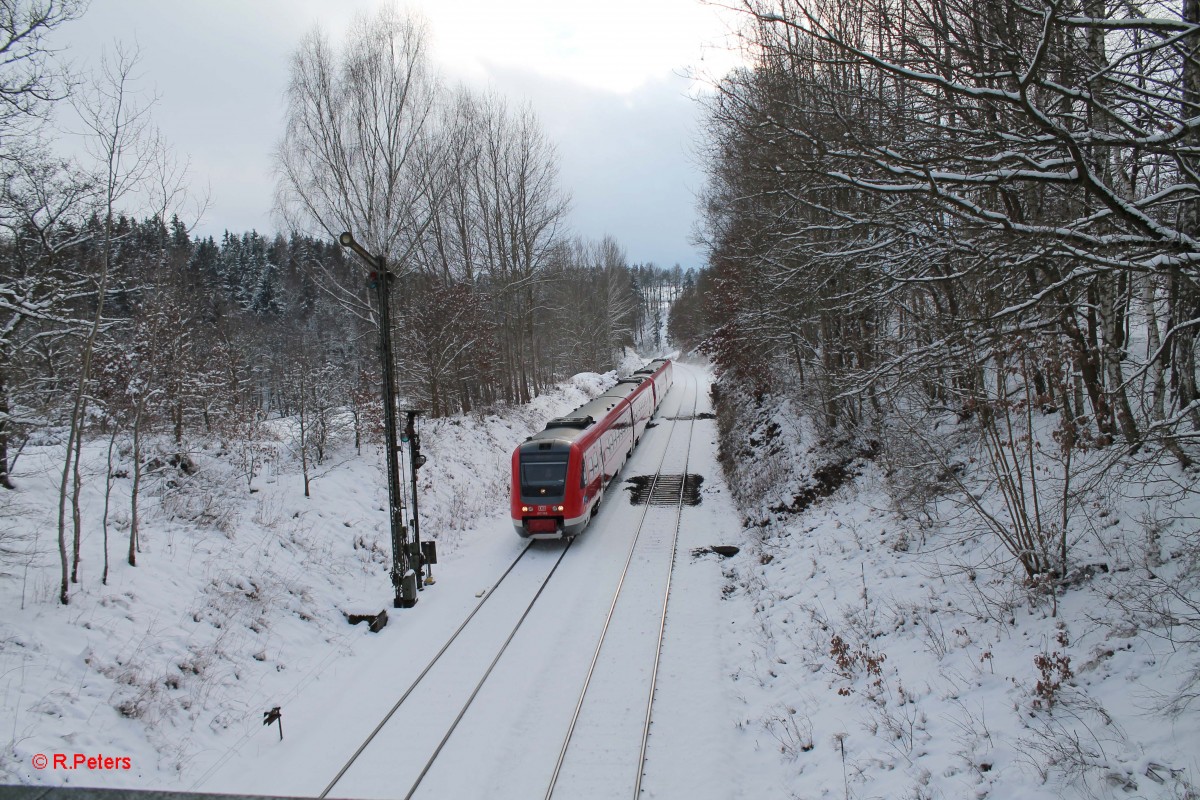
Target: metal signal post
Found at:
427, 550
405, 557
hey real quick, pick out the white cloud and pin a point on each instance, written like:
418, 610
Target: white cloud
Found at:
602, 75
616, 45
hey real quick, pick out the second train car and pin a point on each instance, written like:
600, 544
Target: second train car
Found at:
559, 475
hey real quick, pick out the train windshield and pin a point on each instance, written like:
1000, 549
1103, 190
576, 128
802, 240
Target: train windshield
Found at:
542, 477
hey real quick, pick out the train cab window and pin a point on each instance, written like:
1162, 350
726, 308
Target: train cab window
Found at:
543, 478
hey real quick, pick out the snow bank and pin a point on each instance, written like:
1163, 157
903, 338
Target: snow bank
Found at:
884, 655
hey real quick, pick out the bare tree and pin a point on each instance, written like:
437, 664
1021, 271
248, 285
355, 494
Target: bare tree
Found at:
521, 211
956, 206
29, 80
491, 215
128, 155
462, 189
354, 154
941, 149
38, 194
40, 215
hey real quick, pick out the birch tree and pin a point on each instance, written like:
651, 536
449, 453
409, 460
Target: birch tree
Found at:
128, 156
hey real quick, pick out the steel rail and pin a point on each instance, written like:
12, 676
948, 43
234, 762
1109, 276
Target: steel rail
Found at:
662, 626
562, 755
462, 712
427, 669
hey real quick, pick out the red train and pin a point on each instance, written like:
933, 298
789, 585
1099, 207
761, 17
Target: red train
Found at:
559, 475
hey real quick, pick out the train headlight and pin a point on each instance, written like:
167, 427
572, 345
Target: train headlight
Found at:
558, 508
525, 509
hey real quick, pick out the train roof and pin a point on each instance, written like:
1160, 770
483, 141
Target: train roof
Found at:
652, 367
564, 429
574, 426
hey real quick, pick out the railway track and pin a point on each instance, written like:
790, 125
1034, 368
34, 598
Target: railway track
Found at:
596, 758
448, 678
449, 712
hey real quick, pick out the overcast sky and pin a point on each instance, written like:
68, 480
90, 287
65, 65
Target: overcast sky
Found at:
605, 77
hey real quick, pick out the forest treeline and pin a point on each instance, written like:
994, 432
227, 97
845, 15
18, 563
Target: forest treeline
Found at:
986, 214
118, 320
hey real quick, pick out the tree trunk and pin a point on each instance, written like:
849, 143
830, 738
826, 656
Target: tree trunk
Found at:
5, 481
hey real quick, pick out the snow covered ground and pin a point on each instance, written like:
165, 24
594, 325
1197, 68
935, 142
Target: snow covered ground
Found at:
239, 600
882, 657
844, 652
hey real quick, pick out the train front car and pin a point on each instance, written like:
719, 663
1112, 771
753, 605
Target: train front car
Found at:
545, 488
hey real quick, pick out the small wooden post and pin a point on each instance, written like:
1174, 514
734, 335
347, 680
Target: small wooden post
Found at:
274, 715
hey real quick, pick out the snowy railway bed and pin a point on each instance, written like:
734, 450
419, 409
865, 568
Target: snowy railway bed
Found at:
440, 722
